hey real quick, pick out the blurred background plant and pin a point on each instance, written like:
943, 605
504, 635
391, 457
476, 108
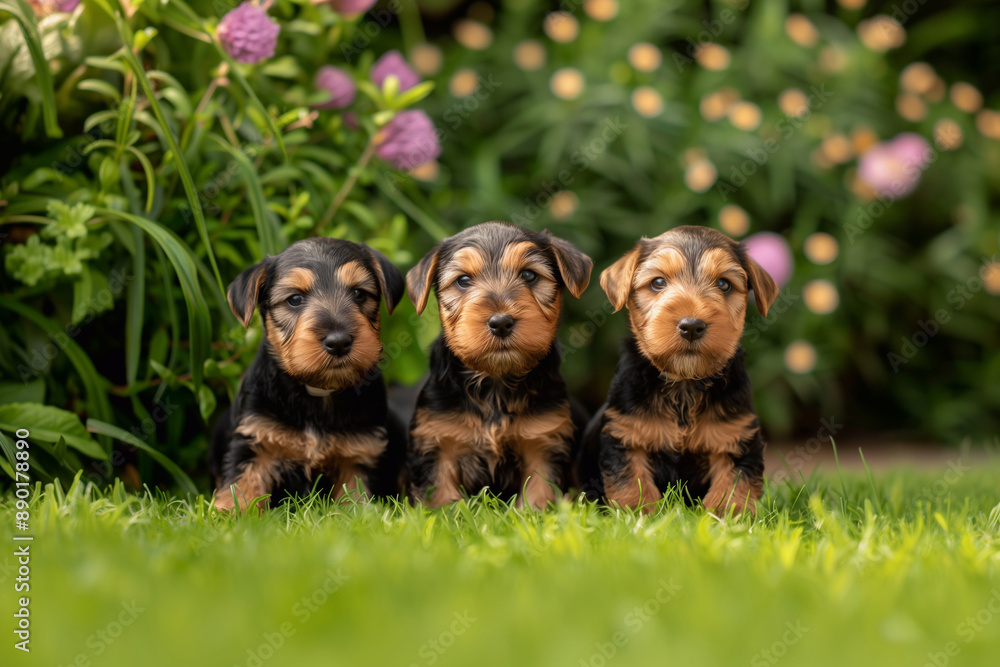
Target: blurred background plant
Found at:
151, 157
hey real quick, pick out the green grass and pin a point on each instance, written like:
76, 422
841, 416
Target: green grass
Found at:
482, 583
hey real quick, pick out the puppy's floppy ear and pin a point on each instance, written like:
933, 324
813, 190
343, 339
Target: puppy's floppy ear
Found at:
420, 279
244, 292
765, 290
574, 266
616, 280
390, 280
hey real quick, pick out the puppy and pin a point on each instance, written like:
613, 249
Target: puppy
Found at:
313, 402
494, 411
680, 407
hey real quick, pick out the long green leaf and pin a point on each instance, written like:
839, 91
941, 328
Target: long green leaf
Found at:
199, 318
136, 302
270, 236
248, 89
93, 383
147, 168
103, 428
25, 18
48, 424
182, 169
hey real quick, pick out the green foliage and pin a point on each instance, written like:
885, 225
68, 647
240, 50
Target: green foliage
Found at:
552, 588
179, 169
512, 144
146, 169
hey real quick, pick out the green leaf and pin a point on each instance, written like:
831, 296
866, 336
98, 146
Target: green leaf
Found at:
125, 111
7, 445
136, 302
48, 424
23, 392
413, 95
101, 87
182, 169
234, 71
179, 475
199, 318
71, 221
25, 18
93, 384
147, 168
271, 242
6, 463
206, 401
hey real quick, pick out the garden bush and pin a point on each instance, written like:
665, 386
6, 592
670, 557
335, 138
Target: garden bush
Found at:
151, 153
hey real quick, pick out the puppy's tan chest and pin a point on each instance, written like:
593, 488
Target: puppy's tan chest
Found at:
455, 434
662, 431
309, 447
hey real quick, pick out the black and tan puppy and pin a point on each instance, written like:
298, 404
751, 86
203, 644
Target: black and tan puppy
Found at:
312, 405
494, 411
680, 407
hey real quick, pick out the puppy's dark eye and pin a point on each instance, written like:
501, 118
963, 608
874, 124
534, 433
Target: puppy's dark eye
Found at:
658, 284
294, 300
724, 285
529, 276
359, 295
464, 281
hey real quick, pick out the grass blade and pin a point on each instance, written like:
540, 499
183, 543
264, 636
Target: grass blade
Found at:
871, 481
25, 18
179, 256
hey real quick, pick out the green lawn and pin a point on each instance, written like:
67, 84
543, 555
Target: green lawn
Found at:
900, 570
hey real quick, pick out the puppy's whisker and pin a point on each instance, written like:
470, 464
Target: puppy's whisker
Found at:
293, 422
679, 407
495, 367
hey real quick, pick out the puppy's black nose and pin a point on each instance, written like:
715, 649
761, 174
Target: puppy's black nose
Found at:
501, 326
691, 328
338, 343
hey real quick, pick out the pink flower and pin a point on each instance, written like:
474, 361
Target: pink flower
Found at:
408, 140
339, 84
892, 168
771, 251
66, 5
248, 34
393, 62
351, 7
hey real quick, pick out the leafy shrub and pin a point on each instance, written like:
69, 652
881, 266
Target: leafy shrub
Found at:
152, 170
